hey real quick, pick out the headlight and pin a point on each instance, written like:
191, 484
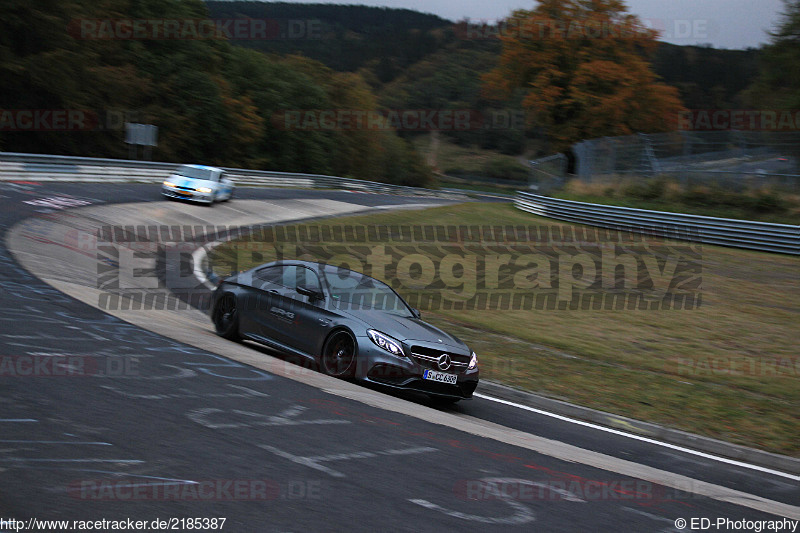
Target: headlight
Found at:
169, 184
204, 189
386, 342
473, 361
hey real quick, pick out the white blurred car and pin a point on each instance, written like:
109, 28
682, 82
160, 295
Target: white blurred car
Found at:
199, 183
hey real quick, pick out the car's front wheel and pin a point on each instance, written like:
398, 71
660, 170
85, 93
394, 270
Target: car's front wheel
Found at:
339, 355
226, 317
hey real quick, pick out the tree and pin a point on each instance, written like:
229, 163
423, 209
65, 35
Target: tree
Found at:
582, 66
778, 84
212, 101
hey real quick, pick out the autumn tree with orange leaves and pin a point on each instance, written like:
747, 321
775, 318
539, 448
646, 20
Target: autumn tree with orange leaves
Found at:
583, 66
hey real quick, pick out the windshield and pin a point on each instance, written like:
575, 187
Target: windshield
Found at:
196, 173
352, 290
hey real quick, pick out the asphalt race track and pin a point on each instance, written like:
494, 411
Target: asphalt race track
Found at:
147, 415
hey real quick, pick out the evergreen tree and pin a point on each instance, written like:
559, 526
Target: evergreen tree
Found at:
778, 84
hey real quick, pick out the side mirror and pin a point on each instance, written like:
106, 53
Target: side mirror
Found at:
314, 295
416, 312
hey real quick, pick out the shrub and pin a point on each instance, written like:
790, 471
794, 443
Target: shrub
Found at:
768, 202
506, 168
651, 189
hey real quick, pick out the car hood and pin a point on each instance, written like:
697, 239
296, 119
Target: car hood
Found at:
408, 329
185, 181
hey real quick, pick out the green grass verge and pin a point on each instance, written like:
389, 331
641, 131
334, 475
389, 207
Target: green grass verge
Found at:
728, 369
661, 194
680, 207
446, 183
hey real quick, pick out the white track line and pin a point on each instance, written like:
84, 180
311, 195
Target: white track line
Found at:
643, 439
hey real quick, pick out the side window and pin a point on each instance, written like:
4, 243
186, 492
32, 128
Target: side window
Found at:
273, 274
289, 276
308, 278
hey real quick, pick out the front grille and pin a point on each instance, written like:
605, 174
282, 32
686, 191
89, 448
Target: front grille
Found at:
429, 358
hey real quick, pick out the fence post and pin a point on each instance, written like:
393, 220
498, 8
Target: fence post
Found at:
687, 151
612, 154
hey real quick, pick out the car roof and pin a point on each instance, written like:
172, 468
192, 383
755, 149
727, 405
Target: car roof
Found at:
203, 167
322, 267
315, 264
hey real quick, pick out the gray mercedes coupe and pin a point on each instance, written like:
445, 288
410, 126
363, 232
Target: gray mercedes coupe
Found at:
351, 325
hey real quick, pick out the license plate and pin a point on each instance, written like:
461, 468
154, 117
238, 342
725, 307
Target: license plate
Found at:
441, 377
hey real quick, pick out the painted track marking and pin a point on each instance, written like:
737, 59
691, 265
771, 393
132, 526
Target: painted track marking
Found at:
643, 439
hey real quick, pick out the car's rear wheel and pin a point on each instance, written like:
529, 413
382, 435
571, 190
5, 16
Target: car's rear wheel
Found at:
226, 317
339, 355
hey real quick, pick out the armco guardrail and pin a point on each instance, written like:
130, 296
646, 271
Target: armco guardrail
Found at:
41, 167
762, 236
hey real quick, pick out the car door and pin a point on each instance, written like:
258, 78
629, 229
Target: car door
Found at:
215, 184
312, 320
297, 320
274, 313
226, 187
